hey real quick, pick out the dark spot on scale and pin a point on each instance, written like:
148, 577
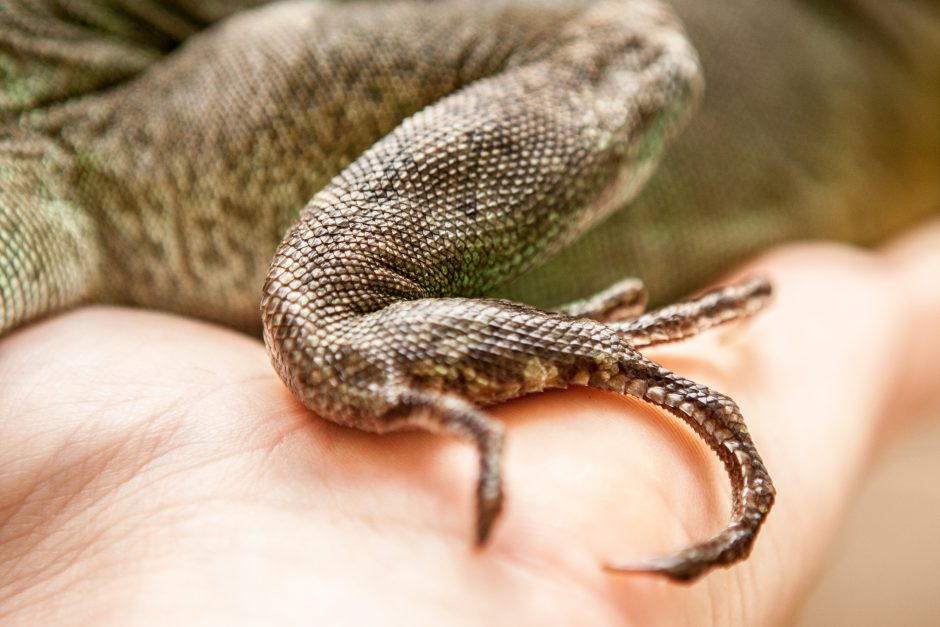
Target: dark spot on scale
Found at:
467, 207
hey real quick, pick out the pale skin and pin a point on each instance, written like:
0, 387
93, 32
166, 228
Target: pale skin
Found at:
155, 470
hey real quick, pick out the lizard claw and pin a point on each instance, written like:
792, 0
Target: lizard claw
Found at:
677, 570
488, 510
731, 545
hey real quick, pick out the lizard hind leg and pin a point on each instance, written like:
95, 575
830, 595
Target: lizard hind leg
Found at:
444, 358
585, 346
537, 350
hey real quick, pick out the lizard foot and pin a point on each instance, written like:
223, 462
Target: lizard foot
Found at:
718, 421
715, 417
434, 362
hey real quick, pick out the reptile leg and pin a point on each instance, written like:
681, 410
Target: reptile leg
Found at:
623, 300
448, 356
683, 320
369, 290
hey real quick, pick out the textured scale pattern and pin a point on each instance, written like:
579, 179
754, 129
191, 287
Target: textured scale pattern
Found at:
155, 154
365, 311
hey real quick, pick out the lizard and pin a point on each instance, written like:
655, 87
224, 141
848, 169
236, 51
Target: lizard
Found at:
144, 162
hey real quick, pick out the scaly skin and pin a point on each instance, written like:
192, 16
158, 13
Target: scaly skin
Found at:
135, 172
365, 310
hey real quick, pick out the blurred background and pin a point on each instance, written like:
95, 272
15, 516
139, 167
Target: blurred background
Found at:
882, 568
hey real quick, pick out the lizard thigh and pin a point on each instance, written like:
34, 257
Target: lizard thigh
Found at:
430, 363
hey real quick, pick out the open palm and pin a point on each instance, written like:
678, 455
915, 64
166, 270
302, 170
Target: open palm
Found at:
155, 469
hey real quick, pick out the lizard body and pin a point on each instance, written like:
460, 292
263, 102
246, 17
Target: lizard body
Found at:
505, 130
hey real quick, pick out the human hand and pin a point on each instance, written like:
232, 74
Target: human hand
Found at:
154, 469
